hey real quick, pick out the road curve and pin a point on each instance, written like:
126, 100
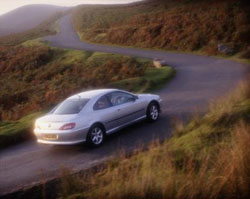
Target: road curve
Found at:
199, 80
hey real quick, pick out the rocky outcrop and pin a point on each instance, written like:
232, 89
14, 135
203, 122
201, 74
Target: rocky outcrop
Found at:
225, 49
158, 63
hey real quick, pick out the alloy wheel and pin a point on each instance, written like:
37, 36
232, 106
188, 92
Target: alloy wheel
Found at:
97, 135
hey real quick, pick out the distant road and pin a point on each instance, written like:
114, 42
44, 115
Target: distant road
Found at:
199, 80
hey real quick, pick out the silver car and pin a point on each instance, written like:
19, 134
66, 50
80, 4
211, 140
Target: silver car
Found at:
90, 116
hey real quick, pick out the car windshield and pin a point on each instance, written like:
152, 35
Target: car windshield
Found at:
71, 106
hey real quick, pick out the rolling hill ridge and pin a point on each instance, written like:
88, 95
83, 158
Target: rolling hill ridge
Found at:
26, 17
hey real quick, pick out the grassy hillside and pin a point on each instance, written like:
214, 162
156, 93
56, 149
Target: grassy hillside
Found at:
207, 158
34, 77
48, 27
27, 17
171, 25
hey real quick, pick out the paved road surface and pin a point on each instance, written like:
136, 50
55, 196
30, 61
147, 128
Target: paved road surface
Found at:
199, 80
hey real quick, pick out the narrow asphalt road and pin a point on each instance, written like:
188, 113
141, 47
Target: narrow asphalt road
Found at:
199, 80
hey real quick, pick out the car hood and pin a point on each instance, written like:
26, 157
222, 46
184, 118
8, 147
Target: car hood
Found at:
146, 95
149, 96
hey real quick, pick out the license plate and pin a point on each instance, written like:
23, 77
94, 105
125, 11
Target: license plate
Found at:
50, 137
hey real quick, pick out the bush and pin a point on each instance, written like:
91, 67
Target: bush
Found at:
245, 54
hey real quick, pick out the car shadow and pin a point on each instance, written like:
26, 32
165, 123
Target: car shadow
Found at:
128, 139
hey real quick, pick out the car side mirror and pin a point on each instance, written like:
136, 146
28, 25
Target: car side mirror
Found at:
136, 98
132, 99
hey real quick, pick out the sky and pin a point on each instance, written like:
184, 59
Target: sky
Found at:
8, 5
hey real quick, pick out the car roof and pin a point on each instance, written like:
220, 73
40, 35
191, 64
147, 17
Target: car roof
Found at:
93, 93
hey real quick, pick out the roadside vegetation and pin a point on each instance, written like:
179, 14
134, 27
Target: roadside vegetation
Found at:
35, 77
207, 158
185, 25
12, 132
153, 79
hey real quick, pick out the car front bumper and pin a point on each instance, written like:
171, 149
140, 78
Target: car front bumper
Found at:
58, 137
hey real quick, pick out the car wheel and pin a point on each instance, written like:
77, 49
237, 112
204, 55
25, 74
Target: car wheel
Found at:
153, 112
96, 136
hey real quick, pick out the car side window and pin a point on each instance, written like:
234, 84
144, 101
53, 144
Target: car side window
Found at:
118, 98
102, 103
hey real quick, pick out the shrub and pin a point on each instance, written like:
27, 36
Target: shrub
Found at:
245, 54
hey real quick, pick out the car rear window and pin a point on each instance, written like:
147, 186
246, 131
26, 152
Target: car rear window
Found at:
71, 106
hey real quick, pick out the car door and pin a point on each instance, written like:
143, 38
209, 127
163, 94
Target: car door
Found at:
104, 112
127, 107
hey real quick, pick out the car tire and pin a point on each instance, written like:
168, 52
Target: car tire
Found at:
153, 112
96, 136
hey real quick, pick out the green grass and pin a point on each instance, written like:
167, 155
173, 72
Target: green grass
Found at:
100, 57
152, 80
207, 158
33, 43
12, 132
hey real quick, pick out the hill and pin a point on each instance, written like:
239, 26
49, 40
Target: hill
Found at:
26, 17
185, 25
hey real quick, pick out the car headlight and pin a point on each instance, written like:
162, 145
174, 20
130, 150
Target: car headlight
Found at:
37, 125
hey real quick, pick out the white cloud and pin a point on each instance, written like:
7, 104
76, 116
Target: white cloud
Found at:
6, 6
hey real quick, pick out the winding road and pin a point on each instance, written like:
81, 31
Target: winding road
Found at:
199, 80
